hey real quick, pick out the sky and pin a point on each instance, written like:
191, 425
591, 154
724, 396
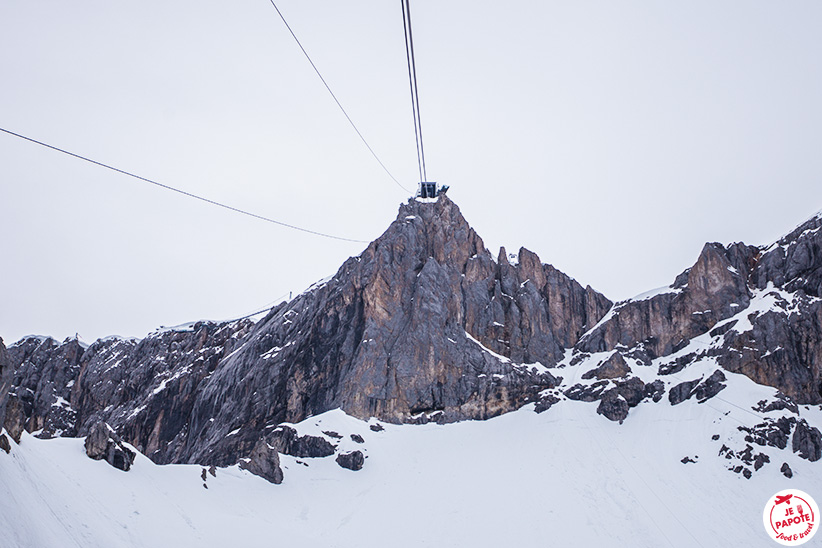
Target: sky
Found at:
613, 139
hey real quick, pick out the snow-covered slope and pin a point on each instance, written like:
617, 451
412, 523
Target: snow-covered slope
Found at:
564, 477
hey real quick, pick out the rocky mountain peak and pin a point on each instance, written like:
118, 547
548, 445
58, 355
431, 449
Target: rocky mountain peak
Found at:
423, 325
794, 261
427, 325
751, 305
430, 228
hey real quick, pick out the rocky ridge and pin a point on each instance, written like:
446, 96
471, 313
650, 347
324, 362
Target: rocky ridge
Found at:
427, 325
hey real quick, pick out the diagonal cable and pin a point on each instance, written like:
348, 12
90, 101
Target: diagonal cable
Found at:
347, 117
183, 192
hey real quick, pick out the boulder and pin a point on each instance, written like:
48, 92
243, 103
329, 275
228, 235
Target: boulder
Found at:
612, 368
285, 440
681, 392
655, 390
102, 443
353, 460
710, 387
807, 441
613, 406
545, 403
633, 390
264, 461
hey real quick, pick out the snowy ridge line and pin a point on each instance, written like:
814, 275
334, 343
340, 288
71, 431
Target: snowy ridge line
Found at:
654, 292
781, 243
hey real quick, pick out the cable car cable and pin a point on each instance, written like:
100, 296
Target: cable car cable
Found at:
184, 192
347, 117
412, 79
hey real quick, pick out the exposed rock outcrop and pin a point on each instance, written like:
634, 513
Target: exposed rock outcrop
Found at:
612, 368
102, 443
264, 462
6, 378
663, 321
760, 306
15, 421
613, 406
286, 440
352, 461
710, 387
45, 372
682, 391
807, 441
147, 389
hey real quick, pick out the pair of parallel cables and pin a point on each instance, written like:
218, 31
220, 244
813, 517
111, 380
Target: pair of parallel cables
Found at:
412, 79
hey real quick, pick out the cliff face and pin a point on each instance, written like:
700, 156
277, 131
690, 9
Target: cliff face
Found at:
760, 308
423, 325
6, 378
411, 330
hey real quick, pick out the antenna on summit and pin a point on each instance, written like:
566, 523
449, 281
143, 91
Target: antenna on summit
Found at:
426, 188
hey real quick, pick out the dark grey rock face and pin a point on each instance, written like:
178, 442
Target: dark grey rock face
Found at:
710, 387
773, 433
782, 349
102, 443
15, 422
423, 326
711, 290
681, 392
613, 406
588, 393
545, 403
6, 378
352, 461
655, 390
612, 368
264, 462
783, 345
285, 440
45, 372
794, 261
807, 441
147, 389
633, 390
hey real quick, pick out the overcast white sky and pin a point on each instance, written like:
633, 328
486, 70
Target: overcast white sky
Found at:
612, 138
